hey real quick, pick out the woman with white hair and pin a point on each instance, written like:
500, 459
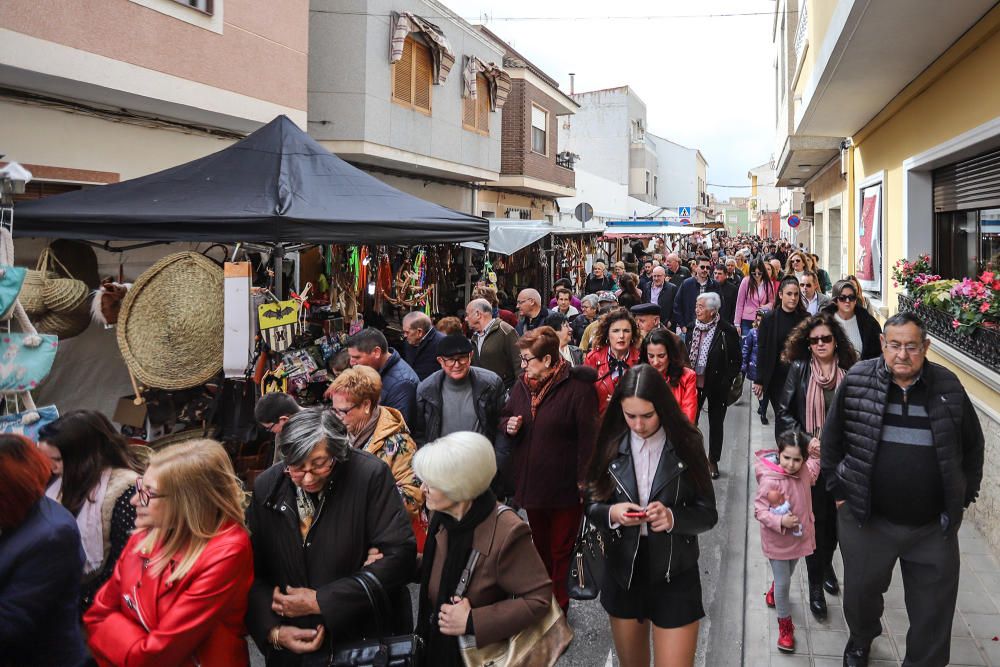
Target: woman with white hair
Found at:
509, 589
715, 354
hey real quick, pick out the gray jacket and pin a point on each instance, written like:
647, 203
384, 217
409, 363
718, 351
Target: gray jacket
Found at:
488, 398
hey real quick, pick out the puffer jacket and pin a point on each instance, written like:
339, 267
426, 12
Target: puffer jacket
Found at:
750, 355
488, 398
670, 553
853, 429
778, 542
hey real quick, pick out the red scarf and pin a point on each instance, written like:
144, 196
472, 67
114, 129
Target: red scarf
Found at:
815, 403
539, 388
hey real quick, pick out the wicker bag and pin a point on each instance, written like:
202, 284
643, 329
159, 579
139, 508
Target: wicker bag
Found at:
170, 328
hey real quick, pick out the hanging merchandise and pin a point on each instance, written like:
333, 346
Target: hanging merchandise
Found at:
106, 303
279, 323
11, 277
28, 423
489, 275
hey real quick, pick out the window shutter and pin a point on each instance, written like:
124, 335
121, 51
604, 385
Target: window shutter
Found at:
469, 112
483, 103
970, 184
422, 77
402, 75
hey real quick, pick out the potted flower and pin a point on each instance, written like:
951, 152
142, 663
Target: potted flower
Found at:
911, 275
975, 303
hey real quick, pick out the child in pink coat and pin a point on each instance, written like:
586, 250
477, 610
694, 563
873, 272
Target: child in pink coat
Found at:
785, 538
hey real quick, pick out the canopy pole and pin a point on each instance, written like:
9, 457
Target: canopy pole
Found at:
277, 259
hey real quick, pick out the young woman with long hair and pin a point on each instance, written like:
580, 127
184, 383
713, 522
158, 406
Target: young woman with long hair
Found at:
652, 585
664, 351
178, 594
774, 330
756, 292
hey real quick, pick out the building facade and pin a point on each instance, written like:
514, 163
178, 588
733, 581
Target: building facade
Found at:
907, 168
108, 90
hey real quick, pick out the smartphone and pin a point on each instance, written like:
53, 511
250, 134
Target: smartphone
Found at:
635, 515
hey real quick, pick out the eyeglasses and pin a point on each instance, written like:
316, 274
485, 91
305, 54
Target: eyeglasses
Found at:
454, 361
797, 260
816, 340
704, 268
343, 412
908, 348
525, 360
520, 301
270, 427
847, 298
145, 495
318, 467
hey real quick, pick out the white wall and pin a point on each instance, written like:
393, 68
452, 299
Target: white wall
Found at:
599, 133
678, 174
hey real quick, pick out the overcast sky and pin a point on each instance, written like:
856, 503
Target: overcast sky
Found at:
707, 81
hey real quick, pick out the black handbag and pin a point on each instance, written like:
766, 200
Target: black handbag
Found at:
586, 563
380, 651
735, 392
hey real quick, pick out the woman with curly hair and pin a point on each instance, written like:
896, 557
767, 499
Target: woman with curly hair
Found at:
664, 351
819, 355
616, 350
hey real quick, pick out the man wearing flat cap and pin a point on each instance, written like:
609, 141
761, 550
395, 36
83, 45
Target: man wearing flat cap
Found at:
473, 396
647, 316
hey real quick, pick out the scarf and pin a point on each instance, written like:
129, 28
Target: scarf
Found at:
701, 343
360, 440
616, 366
91, 524
442, 650
815, 403
539, 388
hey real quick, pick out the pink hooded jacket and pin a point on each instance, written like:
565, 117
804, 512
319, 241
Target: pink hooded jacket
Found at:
777, 542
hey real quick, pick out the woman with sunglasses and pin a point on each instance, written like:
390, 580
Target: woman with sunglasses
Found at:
178, 595
862, 330
312, 520
756, 292
99, 470
819, 355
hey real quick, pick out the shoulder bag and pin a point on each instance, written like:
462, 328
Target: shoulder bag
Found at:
586, 563
538, 645
734, 392
380, 651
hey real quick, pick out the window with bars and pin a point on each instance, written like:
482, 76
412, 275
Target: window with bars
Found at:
476, 112
201, 5
411, 76
539, 130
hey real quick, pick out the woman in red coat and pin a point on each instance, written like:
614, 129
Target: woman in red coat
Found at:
616, 350
663, 350
178, 594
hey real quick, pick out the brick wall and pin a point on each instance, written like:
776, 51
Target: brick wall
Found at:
516, 156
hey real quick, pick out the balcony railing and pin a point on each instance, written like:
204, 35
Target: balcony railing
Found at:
801, 32
566, 160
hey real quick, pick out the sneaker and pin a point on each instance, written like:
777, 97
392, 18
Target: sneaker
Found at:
769, 596
786, 635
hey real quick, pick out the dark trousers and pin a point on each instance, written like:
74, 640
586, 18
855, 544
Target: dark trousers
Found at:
825, 511
930, 565
553, 531
716, 420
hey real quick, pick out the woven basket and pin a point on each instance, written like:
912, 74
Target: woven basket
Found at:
65, 324
170, 327
64, 294
32, 295
176, 438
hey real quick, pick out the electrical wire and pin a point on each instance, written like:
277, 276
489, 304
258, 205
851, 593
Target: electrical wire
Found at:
486, 18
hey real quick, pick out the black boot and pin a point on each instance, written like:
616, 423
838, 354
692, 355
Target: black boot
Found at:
855, 656
817, 602
830, 582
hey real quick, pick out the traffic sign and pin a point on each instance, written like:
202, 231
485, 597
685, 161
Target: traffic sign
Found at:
793, 221
684, 211
583, 212
685, 221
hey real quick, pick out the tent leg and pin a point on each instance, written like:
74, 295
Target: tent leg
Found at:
468, 274
278, 262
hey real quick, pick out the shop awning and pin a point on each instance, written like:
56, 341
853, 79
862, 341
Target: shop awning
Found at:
509, 236
277, 185
641, 228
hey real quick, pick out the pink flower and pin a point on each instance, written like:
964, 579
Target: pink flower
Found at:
916, 304
984, 306
987, 277
955, 324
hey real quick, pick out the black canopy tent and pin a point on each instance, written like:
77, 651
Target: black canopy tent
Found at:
276, 186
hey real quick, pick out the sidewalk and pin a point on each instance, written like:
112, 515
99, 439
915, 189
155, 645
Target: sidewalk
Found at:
975, 628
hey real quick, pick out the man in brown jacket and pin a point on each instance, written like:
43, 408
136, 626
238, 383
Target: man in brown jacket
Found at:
494, 342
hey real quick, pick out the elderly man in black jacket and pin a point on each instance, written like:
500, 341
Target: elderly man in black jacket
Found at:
902, 454
312, 521
458, 397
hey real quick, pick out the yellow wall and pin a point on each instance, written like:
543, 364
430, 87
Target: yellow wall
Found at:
819, 14
954, 95
492, 200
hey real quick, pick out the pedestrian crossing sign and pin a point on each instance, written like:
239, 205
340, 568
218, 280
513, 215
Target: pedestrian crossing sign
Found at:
684, 212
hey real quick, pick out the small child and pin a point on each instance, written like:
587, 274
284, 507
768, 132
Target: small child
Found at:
750, 347
786, 537
781, 507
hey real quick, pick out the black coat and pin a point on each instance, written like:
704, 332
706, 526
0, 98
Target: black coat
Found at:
770, 368
422, 357
683, 273
854, 425
665, 301
725, 357
41, 563
729, 292
362, 509
671, 553
488, 398
870, 329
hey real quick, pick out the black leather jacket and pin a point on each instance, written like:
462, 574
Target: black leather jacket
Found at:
671, 553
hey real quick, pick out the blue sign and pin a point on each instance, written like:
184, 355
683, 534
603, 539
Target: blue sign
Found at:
793, 221
684, 212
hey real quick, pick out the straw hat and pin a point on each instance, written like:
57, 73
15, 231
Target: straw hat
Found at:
66, 323
32, 295
64, 294
170, 328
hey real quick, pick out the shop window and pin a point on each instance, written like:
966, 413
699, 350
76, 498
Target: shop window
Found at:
411, 76
476, 112
966, 242
539, 130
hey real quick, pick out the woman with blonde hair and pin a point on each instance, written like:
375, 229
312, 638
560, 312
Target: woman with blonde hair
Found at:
379, 430
178, 594
798, 263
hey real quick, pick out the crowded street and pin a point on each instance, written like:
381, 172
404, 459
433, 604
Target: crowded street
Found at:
450, 333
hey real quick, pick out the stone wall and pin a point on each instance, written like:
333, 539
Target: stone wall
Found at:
985, 512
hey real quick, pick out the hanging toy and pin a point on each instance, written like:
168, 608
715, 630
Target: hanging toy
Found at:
489, 275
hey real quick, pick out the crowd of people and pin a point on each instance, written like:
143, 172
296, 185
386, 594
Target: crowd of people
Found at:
471, 459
